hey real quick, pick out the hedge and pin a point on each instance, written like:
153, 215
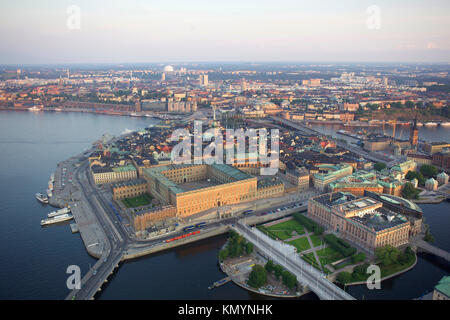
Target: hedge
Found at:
339, 245
309, 224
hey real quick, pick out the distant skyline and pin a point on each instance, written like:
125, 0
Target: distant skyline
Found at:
137, 31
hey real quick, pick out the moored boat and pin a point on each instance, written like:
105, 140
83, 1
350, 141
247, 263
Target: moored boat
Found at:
42, 197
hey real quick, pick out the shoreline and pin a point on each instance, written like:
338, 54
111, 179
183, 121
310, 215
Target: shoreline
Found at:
387, 277
255, 290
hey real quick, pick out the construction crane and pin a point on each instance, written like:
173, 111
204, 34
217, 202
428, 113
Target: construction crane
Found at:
394, 124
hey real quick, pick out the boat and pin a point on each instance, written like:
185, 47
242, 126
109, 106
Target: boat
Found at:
431, 124
419, 124
34, 109
42, 197
59, 212
60, 218
445, 124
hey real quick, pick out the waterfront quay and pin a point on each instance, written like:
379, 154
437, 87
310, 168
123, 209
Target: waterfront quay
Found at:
111, 241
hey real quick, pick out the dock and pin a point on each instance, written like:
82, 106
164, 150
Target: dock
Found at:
74, 228
219, 283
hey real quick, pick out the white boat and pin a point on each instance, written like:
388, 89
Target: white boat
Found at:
34, 109
430, 124
59, 212
419, 124
42, 197
60, 218
445, 124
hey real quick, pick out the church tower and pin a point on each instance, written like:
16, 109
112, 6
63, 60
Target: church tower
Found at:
414, 136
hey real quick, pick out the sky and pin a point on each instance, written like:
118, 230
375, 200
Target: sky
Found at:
139, 31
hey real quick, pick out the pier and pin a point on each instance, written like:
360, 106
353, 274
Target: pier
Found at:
219, 283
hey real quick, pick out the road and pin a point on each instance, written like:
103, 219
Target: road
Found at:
286, 256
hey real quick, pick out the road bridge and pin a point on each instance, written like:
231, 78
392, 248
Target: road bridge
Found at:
425, 246
286, 256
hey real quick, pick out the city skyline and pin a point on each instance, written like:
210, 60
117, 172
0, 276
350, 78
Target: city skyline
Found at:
142, 32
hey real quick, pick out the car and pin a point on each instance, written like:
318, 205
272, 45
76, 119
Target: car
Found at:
94, 272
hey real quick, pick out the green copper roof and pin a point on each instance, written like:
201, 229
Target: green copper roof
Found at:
444, 285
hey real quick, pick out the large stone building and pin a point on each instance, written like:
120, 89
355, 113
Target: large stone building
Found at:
369, 221
442, 289
196, 188
129, 189
113, 174
329, 173
299, 177
357, 183
434, 147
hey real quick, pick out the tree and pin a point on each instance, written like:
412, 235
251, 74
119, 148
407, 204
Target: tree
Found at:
223, 254
379, 166
258, 276
409, 192
387, 255
269, 266
409, 104
249, 247
358, 257
289, 279
278, 270
344, 277
428, 171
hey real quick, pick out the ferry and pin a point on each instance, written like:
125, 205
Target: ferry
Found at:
59, 212
42, 197
60, 218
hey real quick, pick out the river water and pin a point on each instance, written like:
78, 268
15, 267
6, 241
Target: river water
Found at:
34, 259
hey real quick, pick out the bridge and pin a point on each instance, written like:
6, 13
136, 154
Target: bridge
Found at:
425, 246
286, 256
358, 151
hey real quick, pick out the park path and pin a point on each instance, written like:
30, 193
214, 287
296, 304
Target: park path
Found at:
313, 250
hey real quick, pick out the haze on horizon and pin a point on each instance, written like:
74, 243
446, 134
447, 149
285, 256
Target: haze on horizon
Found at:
136, 31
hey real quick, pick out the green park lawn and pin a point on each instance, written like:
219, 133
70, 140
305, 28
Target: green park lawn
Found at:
289, 226
328, 255
301, 244
138, 201
311, 260
316, 240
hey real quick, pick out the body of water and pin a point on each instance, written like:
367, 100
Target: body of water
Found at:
34, 259
432, 134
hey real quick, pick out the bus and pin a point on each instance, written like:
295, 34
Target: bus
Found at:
247, 212
188, 228
182, 236
200, 225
